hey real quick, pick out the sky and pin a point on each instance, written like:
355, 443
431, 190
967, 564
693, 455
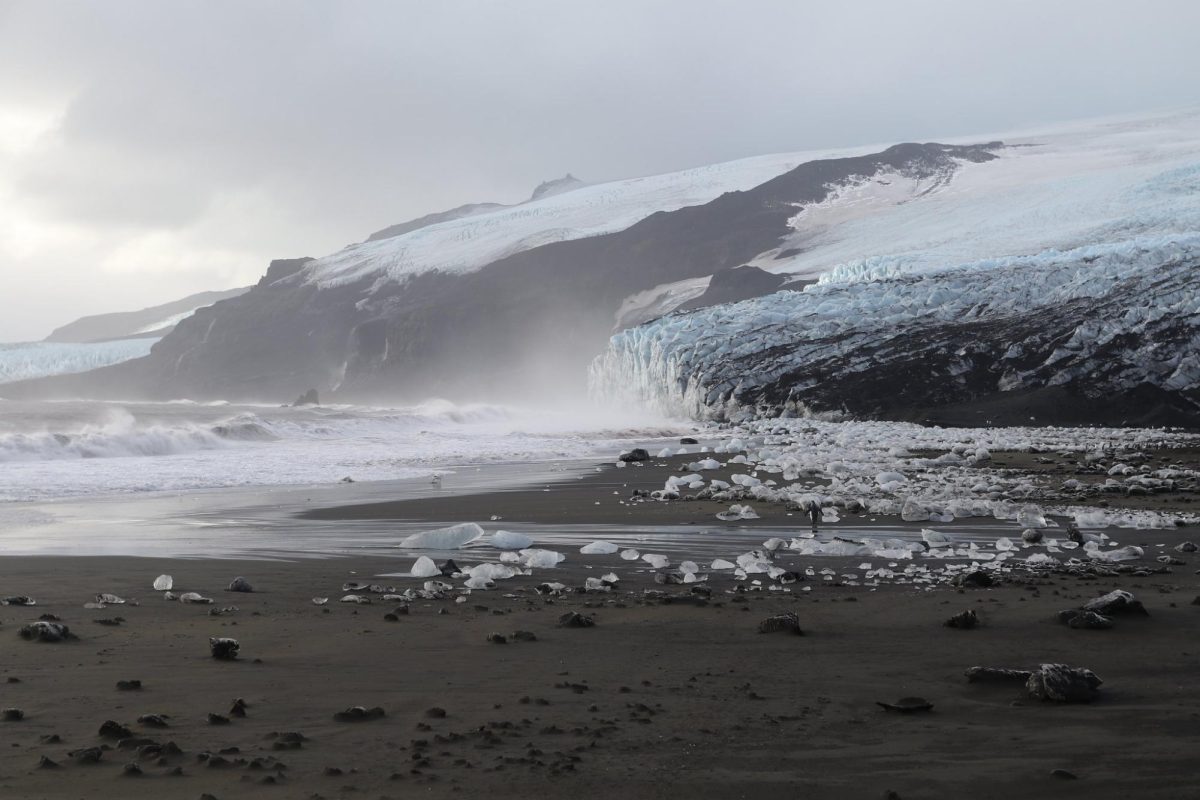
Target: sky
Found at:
150, 149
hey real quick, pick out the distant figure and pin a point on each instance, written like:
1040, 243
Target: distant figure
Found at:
814, 513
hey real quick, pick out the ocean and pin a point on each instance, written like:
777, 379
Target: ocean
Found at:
78, 449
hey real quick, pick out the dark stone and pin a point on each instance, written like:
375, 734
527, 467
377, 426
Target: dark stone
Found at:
573, 619
1118, 601
635, 455
114, 730
787, 622
224, 649
1062, 684
964, 620
1084, 620
907, 705
309, 398
42, 631
129, 686
688, 440
13, 715
240, 584
359, 714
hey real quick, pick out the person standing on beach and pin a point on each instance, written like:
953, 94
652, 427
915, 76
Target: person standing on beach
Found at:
814, 513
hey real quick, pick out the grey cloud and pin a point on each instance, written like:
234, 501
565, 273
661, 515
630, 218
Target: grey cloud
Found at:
348, 116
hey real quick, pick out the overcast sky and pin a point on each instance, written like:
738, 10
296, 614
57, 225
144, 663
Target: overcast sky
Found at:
151, 148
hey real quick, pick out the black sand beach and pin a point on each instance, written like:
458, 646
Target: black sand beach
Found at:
669, 694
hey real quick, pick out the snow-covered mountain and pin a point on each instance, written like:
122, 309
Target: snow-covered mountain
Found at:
964, 277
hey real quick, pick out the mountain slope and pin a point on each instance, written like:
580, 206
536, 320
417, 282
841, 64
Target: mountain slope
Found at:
154, 321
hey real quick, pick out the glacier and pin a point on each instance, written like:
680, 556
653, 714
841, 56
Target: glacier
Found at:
1065, 264
39, 359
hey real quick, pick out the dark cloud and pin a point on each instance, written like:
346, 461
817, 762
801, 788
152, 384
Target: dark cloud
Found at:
337, 118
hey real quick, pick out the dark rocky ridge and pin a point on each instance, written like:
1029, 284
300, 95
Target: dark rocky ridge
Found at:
738, 283
532, 319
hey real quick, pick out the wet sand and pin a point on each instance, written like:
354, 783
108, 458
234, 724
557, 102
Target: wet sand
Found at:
678, 699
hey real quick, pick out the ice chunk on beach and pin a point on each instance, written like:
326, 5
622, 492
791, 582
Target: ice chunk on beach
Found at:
630, 554
656, 560
536, 558
493, 572
424, 567
508, 540
451, 538
705, 464
1126, 553
599, 548
1004, 543
163, 583
479, 582
688, 566
720, 563
1031, 516
937, 538
914, 512
737, 512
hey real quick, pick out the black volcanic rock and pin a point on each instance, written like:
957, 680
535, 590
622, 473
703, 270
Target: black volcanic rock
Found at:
736, 284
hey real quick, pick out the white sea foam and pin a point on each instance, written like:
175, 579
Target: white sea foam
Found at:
94, 448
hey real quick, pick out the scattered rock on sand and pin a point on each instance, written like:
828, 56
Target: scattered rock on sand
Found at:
996, 675
1118, 601
1063, 774
359, 714
86, 755
906, 705
636, 454
963, 620
238, 709
110, 729
224, 649
240, 584
217, 719
787, 622
129, 686
153, 720
12, 715
497, 638
975, 579
1057, 683
524, 636
45, 763
1186, 547
1084, 620
1062, 684
1031, 536
42, 631
18, 600
573, 619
